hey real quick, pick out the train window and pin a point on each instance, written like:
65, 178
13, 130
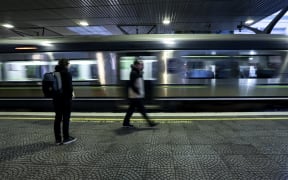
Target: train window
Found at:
74, 70
155, 70
33, 72
150, 67
172, 65
25, 70
83, 69
195, 69
227, 69
93, 71
125, 66
232, 66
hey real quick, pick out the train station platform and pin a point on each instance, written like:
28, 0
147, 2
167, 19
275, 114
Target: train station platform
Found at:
252, 145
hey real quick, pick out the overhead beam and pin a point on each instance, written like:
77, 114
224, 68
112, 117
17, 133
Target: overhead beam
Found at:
152, 27
272, 24
21, 31
268, 29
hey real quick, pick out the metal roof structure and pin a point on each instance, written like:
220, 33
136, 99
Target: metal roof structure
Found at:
62, 17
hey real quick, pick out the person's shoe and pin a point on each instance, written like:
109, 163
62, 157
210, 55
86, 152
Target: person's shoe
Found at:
152, 124
58, 142
128, 126
69, 140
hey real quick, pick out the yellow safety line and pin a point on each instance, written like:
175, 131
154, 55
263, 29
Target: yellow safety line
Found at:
183, 119
139, 119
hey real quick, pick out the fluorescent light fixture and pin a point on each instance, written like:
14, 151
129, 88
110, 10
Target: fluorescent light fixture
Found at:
83, 23
90, 30
26, 48
8, 26
166, 21
249, 21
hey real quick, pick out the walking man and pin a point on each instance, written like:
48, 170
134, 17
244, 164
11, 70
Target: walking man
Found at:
136, 94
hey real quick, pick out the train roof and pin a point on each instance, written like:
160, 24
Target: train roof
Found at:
145, 42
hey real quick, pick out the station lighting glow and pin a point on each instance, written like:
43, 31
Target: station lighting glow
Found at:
46, 43
83, 23
36, 57
9, 26
166, 55
249, 21
166, 21
168, 41
101, 64
252, 52
213, 53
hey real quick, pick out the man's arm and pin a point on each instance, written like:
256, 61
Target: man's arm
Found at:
133, 77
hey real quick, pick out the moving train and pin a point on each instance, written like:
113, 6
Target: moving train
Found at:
182, 72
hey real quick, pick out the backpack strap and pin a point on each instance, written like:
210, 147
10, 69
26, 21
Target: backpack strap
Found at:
57, 76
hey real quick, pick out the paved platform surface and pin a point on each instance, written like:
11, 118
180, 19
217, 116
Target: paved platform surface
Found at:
205, 149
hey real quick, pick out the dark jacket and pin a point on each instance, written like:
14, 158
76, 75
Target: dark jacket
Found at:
66, 78
136, 84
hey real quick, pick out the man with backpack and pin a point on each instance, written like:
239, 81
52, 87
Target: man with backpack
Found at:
62, 101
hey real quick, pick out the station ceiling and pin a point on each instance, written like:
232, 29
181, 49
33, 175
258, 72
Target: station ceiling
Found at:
62, 17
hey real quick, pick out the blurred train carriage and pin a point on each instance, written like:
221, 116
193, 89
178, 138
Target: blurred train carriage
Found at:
182, 72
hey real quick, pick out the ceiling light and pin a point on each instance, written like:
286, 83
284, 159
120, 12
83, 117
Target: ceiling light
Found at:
249, 21
166, 21
8, 25
26, 48
83, 23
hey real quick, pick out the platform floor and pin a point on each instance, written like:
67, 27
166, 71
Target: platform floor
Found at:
192, 146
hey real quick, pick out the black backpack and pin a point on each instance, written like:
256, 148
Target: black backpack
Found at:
50, 86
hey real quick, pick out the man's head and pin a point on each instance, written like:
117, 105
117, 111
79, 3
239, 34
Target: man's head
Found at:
63, 62
138, 64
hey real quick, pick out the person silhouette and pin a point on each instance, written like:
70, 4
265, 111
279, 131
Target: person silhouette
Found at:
136, 95
62, 103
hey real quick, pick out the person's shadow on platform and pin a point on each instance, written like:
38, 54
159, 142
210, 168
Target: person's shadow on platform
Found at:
14, 152
124, 131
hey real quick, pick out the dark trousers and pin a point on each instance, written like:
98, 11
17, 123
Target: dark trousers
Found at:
62, 108
133, 104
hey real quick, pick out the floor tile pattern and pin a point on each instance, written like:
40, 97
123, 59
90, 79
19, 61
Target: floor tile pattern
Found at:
210, 150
